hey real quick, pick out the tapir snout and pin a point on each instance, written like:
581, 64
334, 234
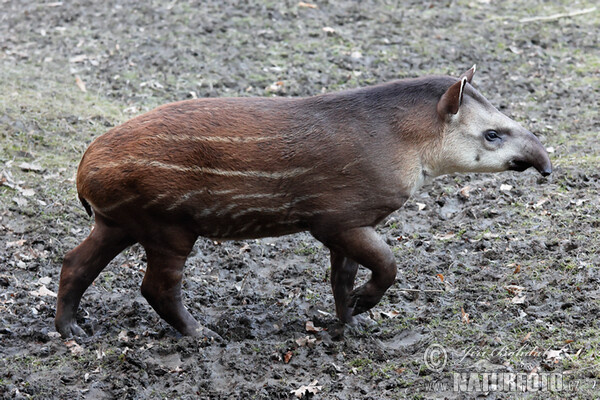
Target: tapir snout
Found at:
533, 155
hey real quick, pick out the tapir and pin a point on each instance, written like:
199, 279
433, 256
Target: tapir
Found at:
334, 165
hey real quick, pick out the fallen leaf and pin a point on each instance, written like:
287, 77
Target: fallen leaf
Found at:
465, 316
540, 203
16, 243
78, 59
357, 55
441, 277
465, 192
244, 248
305, 341
518, 299
287, 357
80, 84
391, 314
553, 355
514, 289
25, 166
275, 87
45, 280
506, 188
312, 388
310, 327
307, 5
73, 347
526, 338
421, 206
42, 292
517, 269
446, 236
123, 336
27, 192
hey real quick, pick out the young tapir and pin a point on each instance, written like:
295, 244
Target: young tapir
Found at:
237, 168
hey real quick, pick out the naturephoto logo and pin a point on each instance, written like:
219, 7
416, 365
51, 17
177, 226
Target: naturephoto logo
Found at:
477, 379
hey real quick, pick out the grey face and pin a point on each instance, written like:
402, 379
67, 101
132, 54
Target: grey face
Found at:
479, 138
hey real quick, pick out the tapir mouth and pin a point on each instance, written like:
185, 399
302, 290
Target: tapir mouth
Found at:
521, 165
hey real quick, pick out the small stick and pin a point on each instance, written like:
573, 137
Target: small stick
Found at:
558, 16
422, 290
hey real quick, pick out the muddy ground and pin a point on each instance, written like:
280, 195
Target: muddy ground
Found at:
501, 271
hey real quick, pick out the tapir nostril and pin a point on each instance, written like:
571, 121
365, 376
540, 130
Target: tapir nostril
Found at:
546, 171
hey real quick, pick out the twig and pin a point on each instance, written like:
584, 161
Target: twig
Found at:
558, 16
422, 290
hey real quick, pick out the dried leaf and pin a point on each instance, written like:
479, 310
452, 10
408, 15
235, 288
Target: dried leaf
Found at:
305, 341
446, 236
45, 280
16, 243
465, 192
514, 289
310, 327
307, 5
27, 192
275, 87
518, 299
441, 277
25, 166
554, 355
20, 201
123, 336
80, 84
465, 316
78, 58
312, 388
421, 206
391, 314
42, 292
287, 357
74, 347
540, 203
517, 269
526, 338
244, 248
505, 188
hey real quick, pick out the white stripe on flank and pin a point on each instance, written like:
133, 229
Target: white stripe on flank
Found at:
258, 195
193, 193
290, 173
284, 207
118, 204
214, 139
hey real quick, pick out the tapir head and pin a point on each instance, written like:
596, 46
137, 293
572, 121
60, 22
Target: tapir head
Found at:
479, 138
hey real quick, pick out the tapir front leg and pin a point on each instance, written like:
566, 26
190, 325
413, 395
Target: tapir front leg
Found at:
363, 246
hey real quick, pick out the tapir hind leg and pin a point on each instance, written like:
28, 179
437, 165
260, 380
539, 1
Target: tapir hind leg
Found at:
343, 274
365, 247
81, 266
162, 285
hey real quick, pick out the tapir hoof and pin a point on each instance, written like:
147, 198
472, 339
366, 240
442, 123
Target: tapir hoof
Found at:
203, 332
70, 329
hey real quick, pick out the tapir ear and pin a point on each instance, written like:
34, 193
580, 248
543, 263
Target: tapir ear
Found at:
469, 74
450, 101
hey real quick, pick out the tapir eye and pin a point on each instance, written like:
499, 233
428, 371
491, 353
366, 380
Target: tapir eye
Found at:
491, 135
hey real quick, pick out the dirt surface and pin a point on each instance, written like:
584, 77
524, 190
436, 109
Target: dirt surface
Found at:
502, 270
